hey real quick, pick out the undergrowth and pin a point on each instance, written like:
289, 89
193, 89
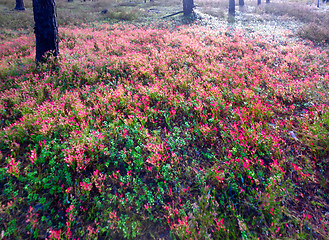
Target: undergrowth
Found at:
135, 132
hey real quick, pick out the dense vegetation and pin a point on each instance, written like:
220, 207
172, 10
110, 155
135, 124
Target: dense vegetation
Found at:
191, 133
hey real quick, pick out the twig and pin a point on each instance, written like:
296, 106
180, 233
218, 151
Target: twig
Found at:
173, 14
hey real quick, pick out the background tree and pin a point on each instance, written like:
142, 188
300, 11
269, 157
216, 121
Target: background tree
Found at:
259, 2
46, 29
19, 5
231, 7
241, 2
188, 6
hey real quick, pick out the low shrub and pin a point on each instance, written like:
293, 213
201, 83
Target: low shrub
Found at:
315, 32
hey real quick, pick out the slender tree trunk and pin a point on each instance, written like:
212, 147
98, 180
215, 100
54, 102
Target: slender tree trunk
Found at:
20, 5
268, 1
70, 0
46, 29
241, 2
231, 7
188, 7
259, 2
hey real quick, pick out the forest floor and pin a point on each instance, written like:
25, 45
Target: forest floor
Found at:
272, 19
201, 127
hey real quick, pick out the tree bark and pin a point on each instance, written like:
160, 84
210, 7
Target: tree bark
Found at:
188, 7
20, 5
268, 1
241, 2
46, 29
259, 2
231, 7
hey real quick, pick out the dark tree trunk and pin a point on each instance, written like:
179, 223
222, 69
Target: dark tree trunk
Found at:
268, 1
259, 2
231, 7
19, 5
188, 6
70, 0
46, 30
241, 2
